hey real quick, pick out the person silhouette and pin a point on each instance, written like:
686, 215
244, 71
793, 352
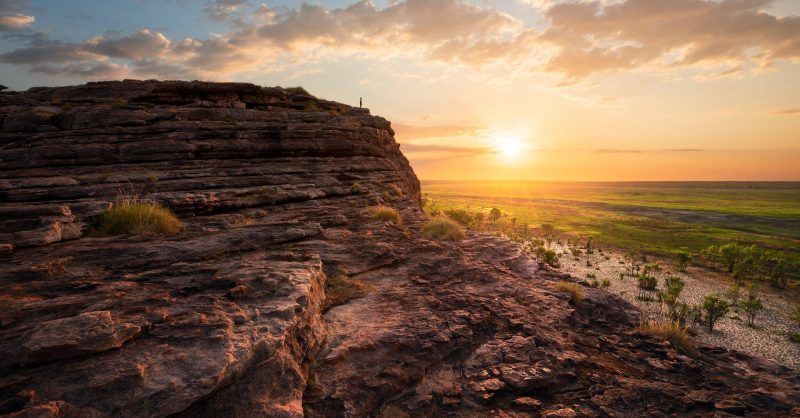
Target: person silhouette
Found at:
360, 102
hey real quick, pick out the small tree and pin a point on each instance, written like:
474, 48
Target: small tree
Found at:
733, 293
495, 214
715, 308
683, 260
752, 305
696, 315
673, 286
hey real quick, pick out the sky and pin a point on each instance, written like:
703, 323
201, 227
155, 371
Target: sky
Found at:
488, 89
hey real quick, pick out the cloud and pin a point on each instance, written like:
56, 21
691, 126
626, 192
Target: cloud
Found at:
11, 20
19, 21
787, 112
222, 10
638, 34
583, 38
641, 151
411, 132
446, 149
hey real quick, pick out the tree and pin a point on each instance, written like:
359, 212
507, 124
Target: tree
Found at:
715, 309
547, 230
495, 214
752, 305
647, 283
683, 260
673, 286
733, 294
632, 261
729, 254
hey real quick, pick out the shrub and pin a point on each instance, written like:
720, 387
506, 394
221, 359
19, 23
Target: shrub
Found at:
385, 213
683, 259
794, 337
591, 276
495, 214
647, 284
395, 190
549, 257
341, 289
355, 188
462, 216
605, 283
673, 286
134, 216
677, 335
575, 292
443, 228
733, 293
751, 307
715, 309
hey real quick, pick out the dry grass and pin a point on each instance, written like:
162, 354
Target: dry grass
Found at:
443, 228
672, 332
385, 213
575, 291
133, 215
341, 289
395, 190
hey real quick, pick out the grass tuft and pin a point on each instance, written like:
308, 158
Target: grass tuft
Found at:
341, 289
132, 215
386, 213
443, 228
672, 332
575, 291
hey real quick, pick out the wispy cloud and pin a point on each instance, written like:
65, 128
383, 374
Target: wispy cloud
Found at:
446, 149
640, 151
794, 111
412, 132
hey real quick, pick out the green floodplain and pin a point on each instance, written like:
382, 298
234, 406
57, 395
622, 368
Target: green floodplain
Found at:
656, 218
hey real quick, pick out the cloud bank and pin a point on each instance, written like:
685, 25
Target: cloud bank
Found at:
582, 38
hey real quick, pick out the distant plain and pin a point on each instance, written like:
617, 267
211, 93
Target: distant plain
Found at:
655, 218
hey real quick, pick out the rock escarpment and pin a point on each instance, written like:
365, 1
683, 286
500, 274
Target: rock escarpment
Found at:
226, 318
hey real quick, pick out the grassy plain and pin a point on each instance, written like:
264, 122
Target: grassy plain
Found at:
656, 218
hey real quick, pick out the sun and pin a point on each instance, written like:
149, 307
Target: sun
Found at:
509, 145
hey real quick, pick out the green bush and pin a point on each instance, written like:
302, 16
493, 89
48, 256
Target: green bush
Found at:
385, 213
138, 217
443, 228
547, 256
715, 309
462, 216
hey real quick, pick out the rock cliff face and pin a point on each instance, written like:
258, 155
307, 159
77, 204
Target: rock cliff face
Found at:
226, 318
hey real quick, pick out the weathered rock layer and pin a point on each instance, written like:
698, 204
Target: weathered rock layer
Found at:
226, 318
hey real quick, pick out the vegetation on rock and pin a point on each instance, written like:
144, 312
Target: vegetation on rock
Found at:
443, 228
673, 332
386, 213
575, 292
137, 216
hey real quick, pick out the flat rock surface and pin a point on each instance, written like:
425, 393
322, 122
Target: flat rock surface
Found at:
227, 317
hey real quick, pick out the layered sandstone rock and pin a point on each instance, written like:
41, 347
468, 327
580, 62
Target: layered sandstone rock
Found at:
225, 318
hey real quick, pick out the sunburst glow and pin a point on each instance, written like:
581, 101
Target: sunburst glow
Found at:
509, 145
